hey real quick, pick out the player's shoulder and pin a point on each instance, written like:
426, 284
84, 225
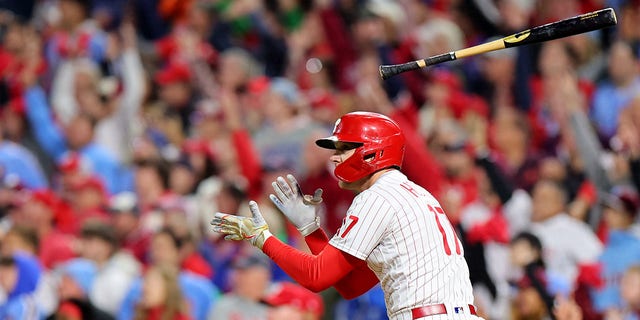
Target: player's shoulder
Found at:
369, 195
373, 204
395, 184
388, 181
387, 190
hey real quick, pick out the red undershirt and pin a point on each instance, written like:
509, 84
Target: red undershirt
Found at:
327, 266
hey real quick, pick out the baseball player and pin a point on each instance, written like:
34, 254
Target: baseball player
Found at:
394, 232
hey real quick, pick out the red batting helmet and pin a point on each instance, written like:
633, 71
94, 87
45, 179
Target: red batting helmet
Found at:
380, 140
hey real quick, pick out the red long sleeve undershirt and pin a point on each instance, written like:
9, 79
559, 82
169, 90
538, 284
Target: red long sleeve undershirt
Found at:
329, 267
356, 282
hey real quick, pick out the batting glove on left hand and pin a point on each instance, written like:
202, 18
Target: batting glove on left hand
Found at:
254, 229
301, 210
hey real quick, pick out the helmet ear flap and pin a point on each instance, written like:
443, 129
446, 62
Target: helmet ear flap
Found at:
356, 167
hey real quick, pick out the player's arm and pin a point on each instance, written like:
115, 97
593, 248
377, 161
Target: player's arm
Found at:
302, 211
356, 282
314, 272
316, 241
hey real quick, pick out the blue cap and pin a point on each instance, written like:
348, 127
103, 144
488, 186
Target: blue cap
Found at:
286, 88
82, 271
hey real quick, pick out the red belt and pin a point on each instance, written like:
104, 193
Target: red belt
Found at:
436, 309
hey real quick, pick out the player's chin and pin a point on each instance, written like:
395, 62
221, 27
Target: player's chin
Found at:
347, 185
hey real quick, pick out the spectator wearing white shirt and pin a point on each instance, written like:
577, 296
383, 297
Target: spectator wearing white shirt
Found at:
116, 269
568, 243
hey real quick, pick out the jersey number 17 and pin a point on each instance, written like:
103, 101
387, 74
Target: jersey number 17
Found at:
438, 212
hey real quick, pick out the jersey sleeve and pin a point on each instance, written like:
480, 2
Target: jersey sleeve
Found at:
364, 226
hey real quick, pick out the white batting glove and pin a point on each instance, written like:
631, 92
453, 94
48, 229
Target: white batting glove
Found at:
301, 210
254, 229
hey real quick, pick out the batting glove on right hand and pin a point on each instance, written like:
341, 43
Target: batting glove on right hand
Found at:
301, 210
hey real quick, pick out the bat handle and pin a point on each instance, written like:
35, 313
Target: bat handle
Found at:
389, 71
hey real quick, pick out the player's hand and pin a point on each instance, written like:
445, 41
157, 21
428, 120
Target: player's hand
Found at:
301, 210
254, 229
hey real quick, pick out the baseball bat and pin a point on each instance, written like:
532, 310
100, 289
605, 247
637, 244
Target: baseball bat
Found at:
568, 27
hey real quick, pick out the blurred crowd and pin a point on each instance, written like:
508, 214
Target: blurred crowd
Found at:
126, 124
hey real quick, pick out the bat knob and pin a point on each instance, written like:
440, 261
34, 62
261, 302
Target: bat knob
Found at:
387, 72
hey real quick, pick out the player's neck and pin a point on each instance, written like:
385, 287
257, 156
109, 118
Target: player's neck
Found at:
364, 183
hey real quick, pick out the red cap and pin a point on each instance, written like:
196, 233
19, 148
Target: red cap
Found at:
44, 196
17, 105
73, 162
479, 105
446, 78
319, 98
195, 146
70, 311
172, 73
92, 182
258, 85
290, 294
461, 103
166, 47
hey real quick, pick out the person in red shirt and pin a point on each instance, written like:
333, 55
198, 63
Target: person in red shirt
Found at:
38, 210
88, 197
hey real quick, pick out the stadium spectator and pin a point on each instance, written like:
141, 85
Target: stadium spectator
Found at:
77, 135
20, 239
251, 278
125, 214
19, 163
620, 250
564, 254
613, 95
39, 210
218, 253
75, 284
116, 269
19, 276
537, 286
162, 297
198, 290
629, 293
286, 126
287, 294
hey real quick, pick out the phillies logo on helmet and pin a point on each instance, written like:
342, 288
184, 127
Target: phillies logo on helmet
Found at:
335, 126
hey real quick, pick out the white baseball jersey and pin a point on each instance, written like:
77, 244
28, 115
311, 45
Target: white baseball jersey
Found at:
404, 235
